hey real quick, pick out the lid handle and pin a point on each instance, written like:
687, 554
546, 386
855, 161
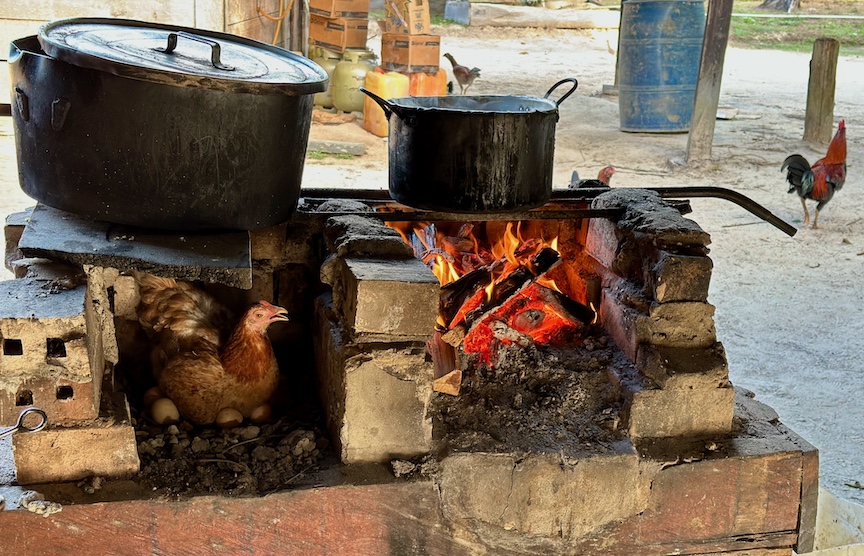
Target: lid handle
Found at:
215, 49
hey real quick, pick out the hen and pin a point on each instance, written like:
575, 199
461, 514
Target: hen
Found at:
464, 76
820, 181
199, 363
602, 180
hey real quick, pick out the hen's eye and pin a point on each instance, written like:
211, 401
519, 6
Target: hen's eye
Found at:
259, 315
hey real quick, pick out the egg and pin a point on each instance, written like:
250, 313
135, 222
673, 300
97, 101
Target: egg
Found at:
164, 412
261, 414
228, 418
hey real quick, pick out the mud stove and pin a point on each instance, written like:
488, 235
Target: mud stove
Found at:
563, 393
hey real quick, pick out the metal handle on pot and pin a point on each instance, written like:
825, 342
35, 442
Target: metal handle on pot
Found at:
565, 95
390, 108
215, 48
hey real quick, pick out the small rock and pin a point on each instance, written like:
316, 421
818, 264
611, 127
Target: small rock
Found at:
248, 433
29, 496
172, 430
43, 508
402, 468
200, 444
263, 453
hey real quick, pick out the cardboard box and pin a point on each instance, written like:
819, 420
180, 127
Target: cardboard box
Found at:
410, 53
354, 9
407, 16
339, 33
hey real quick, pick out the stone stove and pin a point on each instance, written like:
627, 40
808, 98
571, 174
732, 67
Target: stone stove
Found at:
680, 434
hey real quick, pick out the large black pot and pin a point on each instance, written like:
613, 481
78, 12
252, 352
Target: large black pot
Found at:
163, 127
489, 153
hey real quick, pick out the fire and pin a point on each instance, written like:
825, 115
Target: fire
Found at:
494, 280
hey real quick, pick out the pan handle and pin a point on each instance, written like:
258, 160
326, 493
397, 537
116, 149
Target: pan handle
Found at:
565, 95
390, 108
215, 48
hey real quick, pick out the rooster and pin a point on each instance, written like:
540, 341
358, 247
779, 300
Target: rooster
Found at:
199, 363
602, 180
820, 181
464, 76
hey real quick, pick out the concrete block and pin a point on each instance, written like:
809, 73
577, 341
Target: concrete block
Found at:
12, 231
676, 277
684, 324
684, 368
653, 413
126, 298
105, 447
544, 495
357, 235
376, 399
388, 296
268, 243
613, 248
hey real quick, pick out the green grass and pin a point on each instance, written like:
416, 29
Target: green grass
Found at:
321, 155
798, 33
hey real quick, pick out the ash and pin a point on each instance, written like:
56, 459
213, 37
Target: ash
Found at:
537, 400
250, 460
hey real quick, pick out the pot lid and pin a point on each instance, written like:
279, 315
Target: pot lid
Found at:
181, 56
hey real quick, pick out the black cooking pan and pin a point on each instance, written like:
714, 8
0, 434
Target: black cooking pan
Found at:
488, 153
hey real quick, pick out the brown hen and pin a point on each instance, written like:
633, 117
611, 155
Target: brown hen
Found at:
464, 76
197, 365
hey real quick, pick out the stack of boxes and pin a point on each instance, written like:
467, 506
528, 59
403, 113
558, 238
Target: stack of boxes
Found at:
407, 45
338, 24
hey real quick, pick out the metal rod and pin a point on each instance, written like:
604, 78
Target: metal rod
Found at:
422, 216
585, 195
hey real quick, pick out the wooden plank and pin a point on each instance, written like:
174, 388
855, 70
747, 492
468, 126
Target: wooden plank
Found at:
708, 85
819, 119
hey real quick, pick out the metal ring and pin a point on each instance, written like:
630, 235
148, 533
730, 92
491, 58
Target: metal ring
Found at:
43, 420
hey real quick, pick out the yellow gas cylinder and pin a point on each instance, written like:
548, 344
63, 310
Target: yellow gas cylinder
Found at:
327, 59
349, 76
428, 85
385, 85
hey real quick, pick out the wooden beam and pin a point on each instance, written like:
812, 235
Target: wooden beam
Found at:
819, 120
708, 85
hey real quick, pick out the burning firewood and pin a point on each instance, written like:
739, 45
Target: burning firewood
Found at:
449, 383
444, 357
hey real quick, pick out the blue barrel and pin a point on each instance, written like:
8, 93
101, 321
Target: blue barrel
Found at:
658, 63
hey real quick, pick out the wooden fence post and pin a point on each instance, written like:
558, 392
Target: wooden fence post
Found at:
819, 119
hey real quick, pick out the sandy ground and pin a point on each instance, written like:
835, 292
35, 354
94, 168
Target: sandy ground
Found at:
788, 310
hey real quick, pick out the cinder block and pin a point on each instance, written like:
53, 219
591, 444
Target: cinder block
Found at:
388, 296
543, 494
683, 324
684, 368
104, 448
376, 399
126, 298
676, 277
654, 413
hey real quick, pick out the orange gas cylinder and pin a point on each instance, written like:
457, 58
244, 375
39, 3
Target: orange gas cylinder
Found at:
428, 85
385, 85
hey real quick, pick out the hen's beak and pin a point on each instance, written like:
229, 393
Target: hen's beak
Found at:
276, 313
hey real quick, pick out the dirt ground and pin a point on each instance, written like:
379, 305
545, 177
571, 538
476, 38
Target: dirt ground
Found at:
788, 310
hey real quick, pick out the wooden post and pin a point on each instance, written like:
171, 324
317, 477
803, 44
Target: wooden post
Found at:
819, 120
708, 85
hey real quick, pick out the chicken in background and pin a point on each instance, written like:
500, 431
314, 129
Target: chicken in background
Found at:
201, 363
820, 181
602, 180
464, 76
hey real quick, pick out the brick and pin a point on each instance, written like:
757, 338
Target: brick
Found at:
543, 494
126, 298
376, 399
684, 368
392, 296
613, 248
104, 448
653, 413
679, 277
